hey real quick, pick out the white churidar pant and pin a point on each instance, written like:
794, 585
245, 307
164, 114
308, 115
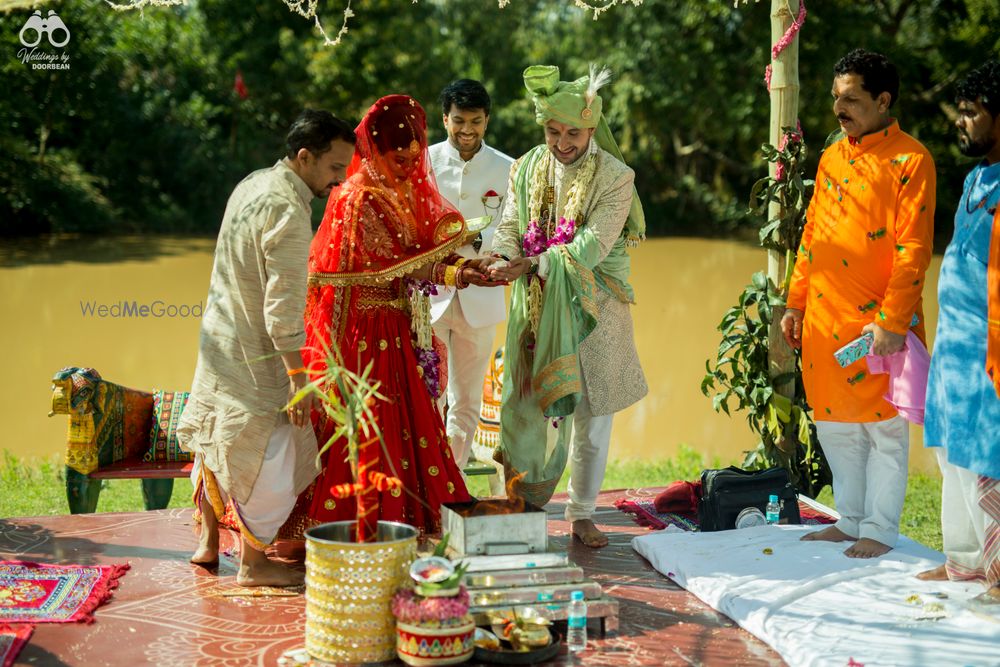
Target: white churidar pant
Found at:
469, 351
869, 463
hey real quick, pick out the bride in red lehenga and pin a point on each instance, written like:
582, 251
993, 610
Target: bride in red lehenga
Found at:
386, 236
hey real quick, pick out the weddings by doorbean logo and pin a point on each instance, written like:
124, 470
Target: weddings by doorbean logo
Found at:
134, 309
33, 53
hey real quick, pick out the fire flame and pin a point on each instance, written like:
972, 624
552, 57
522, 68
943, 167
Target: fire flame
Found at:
513, 496
514, 504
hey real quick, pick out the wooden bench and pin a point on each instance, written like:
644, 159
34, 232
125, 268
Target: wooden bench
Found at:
109, 438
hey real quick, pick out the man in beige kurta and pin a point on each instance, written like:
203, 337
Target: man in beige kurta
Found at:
570, 318
249, 450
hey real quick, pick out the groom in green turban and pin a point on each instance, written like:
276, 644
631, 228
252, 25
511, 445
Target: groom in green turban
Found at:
570, 360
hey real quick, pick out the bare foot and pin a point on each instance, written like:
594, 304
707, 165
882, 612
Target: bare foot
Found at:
207, 553
256, 569
937, 574
587, 532
269, 573
867, 548
989, 600
828, 534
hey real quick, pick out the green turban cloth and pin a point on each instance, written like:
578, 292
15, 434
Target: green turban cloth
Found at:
563, 101
567, 102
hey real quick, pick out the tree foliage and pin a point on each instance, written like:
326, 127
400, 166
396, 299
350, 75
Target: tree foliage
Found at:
145, 132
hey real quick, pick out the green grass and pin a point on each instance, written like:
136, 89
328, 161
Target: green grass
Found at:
38, 487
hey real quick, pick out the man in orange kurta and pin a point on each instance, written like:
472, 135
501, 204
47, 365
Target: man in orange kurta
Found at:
866, 245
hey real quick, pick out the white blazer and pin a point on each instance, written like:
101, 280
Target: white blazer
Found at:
464, 184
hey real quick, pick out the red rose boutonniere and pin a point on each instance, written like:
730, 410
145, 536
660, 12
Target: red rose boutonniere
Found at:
491, 201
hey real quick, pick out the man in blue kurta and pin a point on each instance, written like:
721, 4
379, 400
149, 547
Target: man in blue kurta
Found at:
963, 401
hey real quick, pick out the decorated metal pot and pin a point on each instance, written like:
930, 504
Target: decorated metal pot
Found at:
349, 589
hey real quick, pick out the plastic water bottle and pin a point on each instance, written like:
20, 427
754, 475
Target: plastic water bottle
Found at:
773, 511
576, 623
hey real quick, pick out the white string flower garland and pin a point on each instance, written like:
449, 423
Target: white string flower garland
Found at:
307, 10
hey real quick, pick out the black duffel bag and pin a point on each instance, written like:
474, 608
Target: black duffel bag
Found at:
727, 492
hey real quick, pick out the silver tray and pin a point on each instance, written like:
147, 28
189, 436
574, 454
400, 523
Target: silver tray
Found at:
522, 595
536, 576
491, 564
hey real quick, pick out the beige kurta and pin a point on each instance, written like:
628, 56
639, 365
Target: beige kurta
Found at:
609, 362
256, 301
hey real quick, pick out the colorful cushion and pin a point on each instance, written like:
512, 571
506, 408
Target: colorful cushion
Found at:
168, 406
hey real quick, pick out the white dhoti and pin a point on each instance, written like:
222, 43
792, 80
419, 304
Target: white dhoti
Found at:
271, 499
469, 350
965, 525
869, 463
588, 458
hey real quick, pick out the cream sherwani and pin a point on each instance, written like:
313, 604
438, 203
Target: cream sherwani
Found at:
609, 364
234, 421
466, 319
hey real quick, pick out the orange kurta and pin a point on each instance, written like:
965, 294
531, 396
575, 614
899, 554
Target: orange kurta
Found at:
866, 245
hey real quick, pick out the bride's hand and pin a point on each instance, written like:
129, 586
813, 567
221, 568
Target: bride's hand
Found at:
474, 276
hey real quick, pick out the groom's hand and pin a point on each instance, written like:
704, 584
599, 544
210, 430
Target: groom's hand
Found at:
516, 268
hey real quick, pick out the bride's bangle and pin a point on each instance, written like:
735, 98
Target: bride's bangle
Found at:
437, 273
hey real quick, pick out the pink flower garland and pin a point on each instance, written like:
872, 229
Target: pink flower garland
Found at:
408, 607
535, 242
785, 40
779, 168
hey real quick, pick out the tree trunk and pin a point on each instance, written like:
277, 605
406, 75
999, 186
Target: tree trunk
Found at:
784, 113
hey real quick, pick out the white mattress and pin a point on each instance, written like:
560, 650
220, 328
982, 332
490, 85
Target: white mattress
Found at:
815, 606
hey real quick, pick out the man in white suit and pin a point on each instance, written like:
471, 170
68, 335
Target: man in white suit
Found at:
473, 177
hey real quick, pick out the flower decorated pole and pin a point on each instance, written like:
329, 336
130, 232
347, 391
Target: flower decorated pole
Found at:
755, 371
783, 84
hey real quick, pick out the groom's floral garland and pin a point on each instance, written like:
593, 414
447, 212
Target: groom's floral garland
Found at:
535, 241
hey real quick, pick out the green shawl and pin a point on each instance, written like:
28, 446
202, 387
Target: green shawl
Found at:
544, 383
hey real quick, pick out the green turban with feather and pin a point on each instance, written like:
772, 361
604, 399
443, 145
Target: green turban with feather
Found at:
577, 103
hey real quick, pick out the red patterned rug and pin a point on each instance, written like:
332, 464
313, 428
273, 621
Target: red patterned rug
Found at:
12, 640
34, 593
644, 513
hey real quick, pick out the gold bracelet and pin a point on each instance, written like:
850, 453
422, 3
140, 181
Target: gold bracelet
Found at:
449, 276
462, 262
